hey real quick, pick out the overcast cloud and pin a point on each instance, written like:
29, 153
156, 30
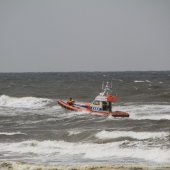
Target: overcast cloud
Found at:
84, 35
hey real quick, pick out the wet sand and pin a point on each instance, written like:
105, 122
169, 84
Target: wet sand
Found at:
29, 166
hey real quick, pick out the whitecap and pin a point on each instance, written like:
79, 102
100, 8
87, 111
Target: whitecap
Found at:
139, 81
136, 135
23, 102
61, 150
73, 132
12, 133
150, 111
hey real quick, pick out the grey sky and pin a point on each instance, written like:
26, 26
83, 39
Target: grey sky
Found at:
84, 35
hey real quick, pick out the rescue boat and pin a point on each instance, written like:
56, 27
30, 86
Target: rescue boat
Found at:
102, 104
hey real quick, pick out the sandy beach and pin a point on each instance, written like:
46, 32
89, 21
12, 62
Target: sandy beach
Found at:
29, 166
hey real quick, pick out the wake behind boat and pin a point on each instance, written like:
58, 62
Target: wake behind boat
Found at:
102, 104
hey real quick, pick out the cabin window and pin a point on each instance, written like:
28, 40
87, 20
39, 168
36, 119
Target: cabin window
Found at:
96, 102
105, 106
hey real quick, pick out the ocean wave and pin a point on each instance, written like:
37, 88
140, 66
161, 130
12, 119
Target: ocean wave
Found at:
136, 135
150, 111
73, 132
72, 114
65, 151
12, 133
142, 81
144, 111
23, 102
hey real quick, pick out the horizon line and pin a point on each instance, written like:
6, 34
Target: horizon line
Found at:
82, 71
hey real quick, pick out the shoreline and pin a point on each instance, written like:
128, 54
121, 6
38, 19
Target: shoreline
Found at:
18, 165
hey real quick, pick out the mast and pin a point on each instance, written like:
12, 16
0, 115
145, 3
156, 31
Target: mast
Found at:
107, 89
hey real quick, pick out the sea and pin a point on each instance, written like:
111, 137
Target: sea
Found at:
35, 129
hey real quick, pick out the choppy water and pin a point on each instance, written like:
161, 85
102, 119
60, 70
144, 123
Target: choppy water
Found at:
33, 128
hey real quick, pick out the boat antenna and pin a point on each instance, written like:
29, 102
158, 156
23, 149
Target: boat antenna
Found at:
103, 85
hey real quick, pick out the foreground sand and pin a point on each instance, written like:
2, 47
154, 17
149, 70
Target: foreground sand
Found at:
28, 166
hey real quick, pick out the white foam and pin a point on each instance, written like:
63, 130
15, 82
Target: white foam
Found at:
111, 150
136, 135
139, 81
12, 133
74, 132
148, 81
55, 150
23, 102
152, 111
142, 81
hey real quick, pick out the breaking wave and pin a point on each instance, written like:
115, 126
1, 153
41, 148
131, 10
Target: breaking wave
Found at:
73, 132
12, 133
23, 102
141, 81
66, 151
136, 135
150, 111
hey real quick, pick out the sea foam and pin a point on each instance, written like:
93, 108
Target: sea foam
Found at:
136, 135
12, 133
149, 111
23, 102
46, 151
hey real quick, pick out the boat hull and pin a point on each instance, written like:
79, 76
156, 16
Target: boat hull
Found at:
86, 107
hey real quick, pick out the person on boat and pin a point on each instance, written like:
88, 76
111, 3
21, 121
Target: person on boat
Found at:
70, 101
